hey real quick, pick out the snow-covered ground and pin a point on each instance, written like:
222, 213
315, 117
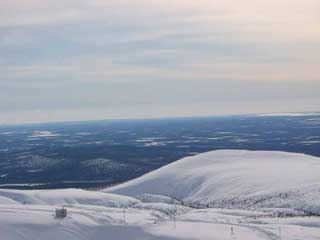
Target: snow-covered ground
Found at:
236, 179
66, 196
252, 195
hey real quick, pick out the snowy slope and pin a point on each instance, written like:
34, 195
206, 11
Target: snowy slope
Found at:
63, 197
236, 179
261, 181
5, 200
24, 222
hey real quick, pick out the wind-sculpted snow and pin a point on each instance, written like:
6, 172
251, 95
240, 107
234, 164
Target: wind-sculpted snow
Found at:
236, 179
65, 196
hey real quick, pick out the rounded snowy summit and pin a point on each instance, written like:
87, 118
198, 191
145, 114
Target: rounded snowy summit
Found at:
235, 178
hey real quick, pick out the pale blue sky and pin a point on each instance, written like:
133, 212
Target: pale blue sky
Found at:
79, 60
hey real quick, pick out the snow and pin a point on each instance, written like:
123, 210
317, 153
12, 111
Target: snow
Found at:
165, 208
269, 196
20, 222
205, 231
44, 134
5, 200
288, 114
152, 198
67, 196
236, 179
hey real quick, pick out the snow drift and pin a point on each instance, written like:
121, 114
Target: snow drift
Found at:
236, 179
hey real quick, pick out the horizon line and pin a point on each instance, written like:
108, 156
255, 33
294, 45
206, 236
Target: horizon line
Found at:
279, 114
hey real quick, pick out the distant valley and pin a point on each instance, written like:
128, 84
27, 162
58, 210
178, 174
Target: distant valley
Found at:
97, 154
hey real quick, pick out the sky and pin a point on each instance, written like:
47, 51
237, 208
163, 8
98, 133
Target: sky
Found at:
97, 59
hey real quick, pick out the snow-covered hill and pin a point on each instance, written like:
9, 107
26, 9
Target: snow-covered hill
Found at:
273, 186
64, 197
236, 179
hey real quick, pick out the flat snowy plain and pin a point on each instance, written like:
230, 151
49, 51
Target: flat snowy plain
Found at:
218, 195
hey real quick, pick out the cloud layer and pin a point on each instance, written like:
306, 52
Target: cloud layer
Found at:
101, 59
